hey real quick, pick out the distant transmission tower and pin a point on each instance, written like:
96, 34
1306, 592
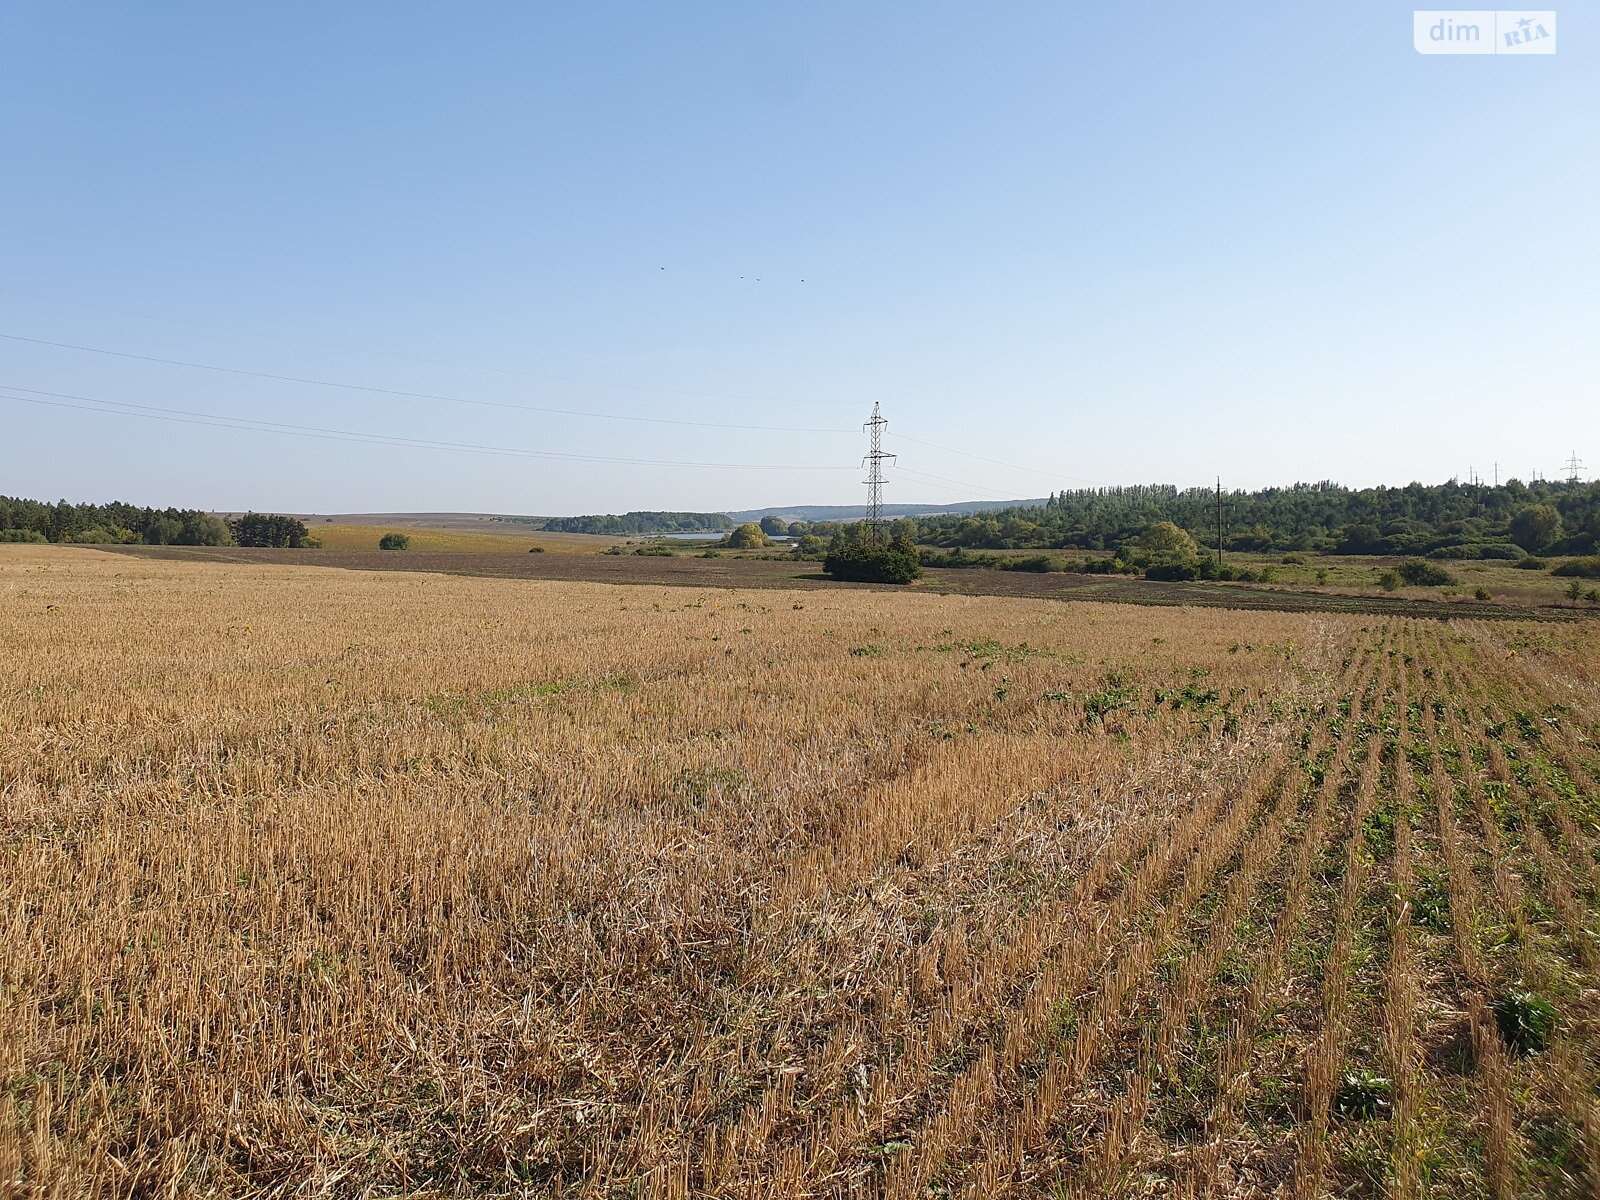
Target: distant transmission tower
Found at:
1574, 467
874, 465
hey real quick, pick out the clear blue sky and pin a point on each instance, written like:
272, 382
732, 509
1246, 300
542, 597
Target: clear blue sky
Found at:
1115, 243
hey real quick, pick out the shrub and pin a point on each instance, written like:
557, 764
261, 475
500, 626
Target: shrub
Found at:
394, 541
956, 558
98, 536
854, 556
22, 535
1483, 550
1525, 1021
1032, 562
748, 536
1105, 566
535, 549
1388, 581
1481, 594
1532, 564
1417, 572
1172, 572
1580, 568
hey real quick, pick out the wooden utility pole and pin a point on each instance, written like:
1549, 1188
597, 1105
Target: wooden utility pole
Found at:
1219, 520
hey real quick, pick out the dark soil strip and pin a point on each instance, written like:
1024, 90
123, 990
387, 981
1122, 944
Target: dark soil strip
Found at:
774, 573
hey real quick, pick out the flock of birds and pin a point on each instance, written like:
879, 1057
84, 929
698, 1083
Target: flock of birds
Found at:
758, 278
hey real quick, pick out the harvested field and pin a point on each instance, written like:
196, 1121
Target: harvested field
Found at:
770, 572
426, 539
344, 883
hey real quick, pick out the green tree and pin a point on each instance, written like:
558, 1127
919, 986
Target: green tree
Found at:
394, 541
268, 529
1165, 539
774, 526
1535, 527
747, 537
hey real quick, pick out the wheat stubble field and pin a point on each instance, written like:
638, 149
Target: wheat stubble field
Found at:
328, 883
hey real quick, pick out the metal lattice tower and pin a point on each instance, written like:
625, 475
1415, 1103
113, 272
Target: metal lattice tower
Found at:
873, 462
1574, 467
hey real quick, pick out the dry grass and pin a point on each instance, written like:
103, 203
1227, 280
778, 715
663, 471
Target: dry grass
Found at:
328, 883
336, 536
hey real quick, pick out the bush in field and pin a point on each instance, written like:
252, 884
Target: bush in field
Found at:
747, 537
1418, 572
1506, 551
1032, 562
22, 535
99, 536
1172, 572
1389, 581
394, 541
1106, 566
955, 558
854, 556
1580, 568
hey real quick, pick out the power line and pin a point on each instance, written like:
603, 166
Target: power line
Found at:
971, 489
358, 387
1056, 471
1056, 475
1574, 467
181, 416
436, 362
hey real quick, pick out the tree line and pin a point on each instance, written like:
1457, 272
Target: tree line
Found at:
1449, 520
37, 521
128, 524
636, 523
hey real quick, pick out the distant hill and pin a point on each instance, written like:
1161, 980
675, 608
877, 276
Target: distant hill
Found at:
855, 512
